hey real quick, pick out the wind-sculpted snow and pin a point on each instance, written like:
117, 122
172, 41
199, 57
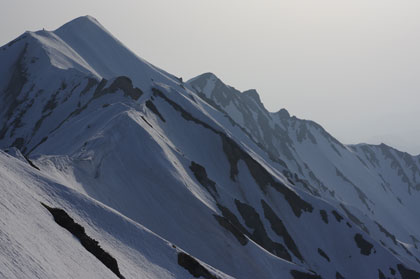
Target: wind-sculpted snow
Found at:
181, 179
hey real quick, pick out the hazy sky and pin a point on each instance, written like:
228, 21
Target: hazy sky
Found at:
353, 66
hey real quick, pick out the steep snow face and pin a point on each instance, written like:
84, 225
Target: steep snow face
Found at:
376, 186
144, 162
34, 246
95, 43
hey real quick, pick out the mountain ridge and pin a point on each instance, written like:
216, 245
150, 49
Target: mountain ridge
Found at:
282, 111
203, 167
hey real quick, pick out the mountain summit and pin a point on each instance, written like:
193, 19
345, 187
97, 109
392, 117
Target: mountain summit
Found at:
114, 168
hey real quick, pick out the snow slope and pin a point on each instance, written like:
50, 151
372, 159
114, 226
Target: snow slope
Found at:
151, 167
34, 246
378, 185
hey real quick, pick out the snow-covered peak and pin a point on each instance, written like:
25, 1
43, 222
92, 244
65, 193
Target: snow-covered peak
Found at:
252, 93
80, 23
86, 36
206, 84
58, 53
205, 76
105, 53
84, 45
283, 113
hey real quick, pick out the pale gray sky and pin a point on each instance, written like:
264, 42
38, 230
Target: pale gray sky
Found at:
353, 66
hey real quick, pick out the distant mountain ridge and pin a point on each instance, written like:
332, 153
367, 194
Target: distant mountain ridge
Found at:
178, 179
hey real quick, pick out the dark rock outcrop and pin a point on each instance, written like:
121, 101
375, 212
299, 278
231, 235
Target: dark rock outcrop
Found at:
259, 234
303, 275
194, 267
364, 245
90, 244
323, 254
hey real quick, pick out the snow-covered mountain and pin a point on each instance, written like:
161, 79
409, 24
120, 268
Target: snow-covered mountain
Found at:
181, 180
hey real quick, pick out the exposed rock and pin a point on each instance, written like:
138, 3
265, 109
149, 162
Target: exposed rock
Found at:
337, 216
364, 245
338, 275
323, 254
407, 273
225, 223
201, 176
153, 108
354, 219
194, 267
324, 216
280, 229
393, 272
381, 275
387, 233
259, 234
65, 221
126, 85
303, 275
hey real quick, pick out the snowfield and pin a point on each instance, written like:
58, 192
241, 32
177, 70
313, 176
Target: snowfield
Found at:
182, 180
